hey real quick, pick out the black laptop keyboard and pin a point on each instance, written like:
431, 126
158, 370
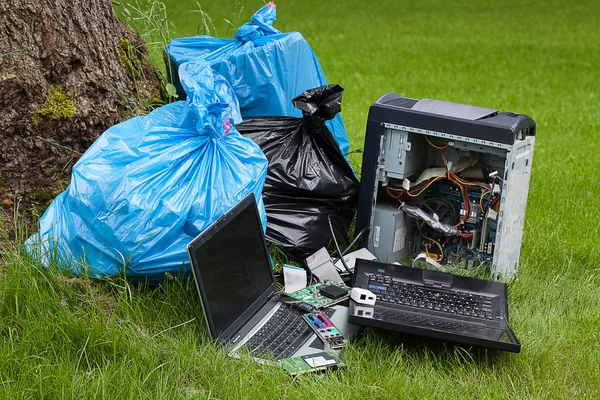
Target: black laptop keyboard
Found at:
390, 291
431, 323
282, 335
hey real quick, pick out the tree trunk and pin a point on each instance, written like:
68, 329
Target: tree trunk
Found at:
69, 69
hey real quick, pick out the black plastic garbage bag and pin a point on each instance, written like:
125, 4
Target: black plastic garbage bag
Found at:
308, 177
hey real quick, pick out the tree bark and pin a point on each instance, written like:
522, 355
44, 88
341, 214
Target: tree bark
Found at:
69, 69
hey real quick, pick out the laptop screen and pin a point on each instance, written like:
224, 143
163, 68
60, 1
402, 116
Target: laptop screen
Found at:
232, 265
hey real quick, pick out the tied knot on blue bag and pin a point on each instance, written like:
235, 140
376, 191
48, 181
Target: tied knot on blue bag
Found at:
260, 25
212, 98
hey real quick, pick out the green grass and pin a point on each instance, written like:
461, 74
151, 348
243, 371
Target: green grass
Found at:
78, 338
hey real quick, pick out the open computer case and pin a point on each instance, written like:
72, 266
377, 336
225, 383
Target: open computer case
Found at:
445, 182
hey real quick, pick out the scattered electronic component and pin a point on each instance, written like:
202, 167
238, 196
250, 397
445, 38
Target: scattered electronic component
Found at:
300, 305
363, 296
333, 292
321, 266
311, 363
325, 330
312, 294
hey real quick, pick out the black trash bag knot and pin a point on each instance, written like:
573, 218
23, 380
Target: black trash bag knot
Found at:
324, 102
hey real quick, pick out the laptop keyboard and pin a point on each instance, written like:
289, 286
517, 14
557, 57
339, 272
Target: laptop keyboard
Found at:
390, 291
431, 323
282, 335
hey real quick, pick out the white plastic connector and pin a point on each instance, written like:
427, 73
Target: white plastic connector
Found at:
406, 184
428, 260
363, 296
363, 311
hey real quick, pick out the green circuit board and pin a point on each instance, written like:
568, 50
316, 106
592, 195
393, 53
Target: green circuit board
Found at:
311, 294
311, 363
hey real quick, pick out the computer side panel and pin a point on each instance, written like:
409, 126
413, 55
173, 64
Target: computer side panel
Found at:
369, 172
511, 219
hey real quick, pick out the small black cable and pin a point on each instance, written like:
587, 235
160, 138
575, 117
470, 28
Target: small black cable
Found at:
365, 229
489, 203
337, 246
312, 278
353, 242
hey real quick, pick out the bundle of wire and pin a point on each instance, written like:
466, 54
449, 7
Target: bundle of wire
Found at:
450, 176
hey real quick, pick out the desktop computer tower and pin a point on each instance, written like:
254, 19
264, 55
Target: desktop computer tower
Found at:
445, 183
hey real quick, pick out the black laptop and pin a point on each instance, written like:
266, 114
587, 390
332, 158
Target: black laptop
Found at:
434, 304
237, 288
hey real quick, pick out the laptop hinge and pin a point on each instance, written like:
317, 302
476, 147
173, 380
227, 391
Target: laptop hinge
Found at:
258, 314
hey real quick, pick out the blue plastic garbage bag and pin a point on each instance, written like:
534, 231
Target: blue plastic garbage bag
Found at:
265, 67
149, 185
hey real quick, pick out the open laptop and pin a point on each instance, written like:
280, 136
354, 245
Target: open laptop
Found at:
434, 304
237, 288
